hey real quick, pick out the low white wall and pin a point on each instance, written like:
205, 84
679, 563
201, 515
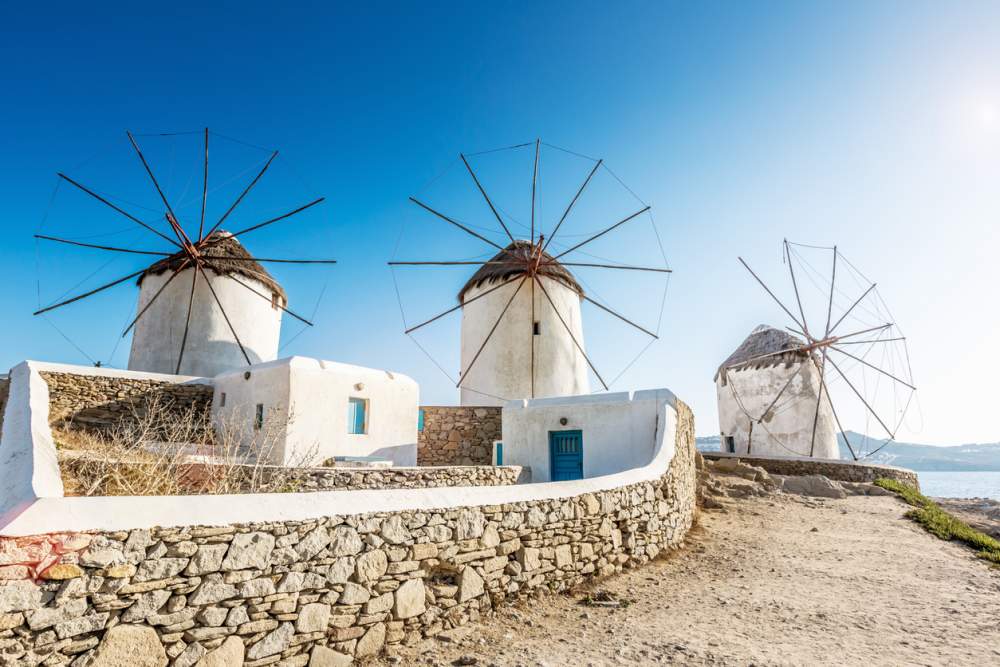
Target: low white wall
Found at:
48, 512
619, 430
308, 399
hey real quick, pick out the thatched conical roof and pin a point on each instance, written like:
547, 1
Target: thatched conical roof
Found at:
511, 261
764, 340
228, 256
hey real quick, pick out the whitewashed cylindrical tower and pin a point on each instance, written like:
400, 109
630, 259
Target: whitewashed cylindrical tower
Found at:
530, 354
747, 385
210, 347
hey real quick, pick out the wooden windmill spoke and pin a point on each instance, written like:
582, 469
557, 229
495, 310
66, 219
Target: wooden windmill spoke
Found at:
534, 181
570, 332
492, 331
260, 294
101, 247
531, 331
156, 296
870, 342
862, 398
621, 317
187, 320
462, 263
242, 194
91, 292
610, 266
201, 222
149, 171
863, 331
873, 367
833, 282
795, 286
571, 203
454, 222
853, 306
230, 258
780, 394
602, 233
486, 197
833, 410
224, 315
776, 299
280, 217
819, 399
118, 209
464, 303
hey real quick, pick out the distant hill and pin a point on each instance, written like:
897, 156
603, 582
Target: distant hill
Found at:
974, 457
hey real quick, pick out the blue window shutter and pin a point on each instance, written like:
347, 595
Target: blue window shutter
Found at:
420, 420
356, 415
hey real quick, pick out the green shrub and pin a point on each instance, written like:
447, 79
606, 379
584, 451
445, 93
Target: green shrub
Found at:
941, 524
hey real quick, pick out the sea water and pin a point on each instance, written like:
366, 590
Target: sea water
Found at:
960, 484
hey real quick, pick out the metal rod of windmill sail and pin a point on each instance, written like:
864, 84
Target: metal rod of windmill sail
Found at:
472, 363
204, 200
101, 247
156, 296
243, 194
118, 209
570, 332
462, 304
862, 399
569, 207
187, 320
768, 290
149, 171
90, 293
486, 197
455, 222
232, 329
534, 180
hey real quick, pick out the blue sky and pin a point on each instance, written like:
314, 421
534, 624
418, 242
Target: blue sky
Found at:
875, 126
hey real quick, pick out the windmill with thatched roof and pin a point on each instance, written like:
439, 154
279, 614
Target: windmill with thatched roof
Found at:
522, 321
206, 306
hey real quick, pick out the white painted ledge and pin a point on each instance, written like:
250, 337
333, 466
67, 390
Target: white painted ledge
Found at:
41, 509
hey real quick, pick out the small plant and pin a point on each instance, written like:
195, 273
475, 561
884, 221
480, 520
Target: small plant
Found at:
940, 523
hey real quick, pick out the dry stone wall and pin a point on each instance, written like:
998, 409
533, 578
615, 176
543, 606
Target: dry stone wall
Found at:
323, 591
458, 435
95, 402
328, 479
843, 471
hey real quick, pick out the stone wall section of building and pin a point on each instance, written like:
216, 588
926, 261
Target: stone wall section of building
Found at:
458, 435
322, 591
843, 471
96, 402
329, 479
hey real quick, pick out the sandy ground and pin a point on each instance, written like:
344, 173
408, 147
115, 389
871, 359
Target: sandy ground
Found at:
773, 580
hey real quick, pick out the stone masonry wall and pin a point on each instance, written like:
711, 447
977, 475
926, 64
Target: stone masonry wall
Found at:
319, 592
846, 471
94, 402
325, 479
458, 435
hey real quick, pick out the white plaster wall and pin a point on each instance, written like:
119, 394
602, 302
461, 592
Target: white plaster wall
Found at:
787, 431
210, 348
307, 399
619, 430
503, 370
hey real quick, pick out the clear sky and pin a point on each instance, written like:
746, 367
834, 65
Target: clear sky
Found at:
872, 125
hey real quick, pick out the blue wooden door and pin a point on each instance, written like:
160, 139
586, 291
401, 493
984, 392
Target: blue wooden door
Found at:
566, 453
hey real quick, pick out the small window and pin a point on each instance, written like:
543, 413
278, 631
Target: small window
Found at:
258, 419
420, 420
222, 400
357, 416
730, 444
536, 328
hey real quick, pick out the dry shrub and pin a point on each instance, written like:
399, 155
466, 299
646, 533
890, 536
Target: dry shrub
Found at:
161, 451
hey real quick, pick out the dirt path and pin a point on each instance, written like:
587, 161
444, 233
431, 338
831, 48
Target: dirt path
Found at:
773, 580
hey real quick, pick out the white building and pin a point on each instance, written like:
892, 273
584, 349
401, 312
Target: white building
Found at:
577, 437
747, 384
530, 354
210, 347
303, 411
